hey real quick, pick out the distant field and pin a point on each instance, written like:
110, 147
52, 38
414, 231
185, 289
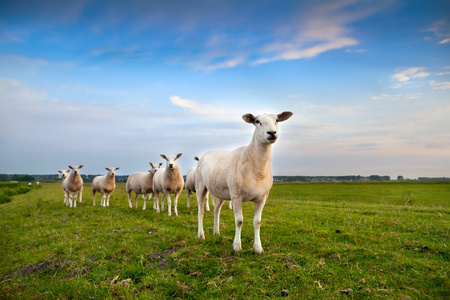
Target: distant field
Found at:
321, 240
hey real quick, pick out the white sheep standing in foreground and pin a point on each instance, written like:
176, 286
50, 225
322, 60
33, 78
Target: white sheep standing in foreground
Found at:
104, 184
73, 186
142, 183
64, 174
240, 175
169, 181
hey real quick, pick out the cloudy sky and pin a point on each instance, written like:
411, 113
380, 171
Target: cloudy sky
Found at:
116, 83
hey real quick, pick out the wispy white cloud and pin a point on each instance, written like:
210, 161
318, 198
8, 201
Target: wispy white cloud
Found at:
445, 41
396, 97
440, 85
405, 75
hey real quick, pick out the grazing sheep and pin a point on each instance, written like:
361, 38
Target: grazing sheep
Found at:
64, 174
104, 184
142, 183
169, 181
240, 175
73, 186
190, 186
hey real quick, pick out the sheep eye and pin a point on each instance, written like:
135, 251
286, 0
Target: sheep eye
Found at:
257, 122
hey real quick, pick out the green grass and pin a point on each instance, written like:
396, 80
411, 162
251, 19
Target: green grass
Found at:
321, 240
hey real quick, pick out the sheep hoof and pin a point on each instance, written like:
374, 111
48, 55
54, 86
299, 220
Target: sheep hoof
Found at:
237, 248
201, 236
216, 232
143, 208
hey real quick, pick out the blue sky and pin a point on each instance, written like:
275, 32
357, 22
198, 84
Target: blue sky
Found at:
116, 83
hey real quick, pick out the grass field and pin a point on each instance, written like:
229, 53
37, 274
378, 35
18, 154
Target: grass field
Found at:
321, 240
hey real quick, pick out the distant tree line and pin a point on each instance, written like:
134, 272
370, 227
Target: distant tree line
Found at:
330, 178
123, 178
52, 177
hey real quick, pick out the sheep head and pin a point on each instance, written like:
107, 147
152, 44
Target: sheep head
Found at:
171, 161
111, 171
64, 173
75, 169
266, 125
154, 167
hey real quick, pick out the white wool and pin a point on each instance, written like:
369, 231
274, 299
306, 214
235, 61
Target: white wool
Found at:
142, 183
240, 175
169, 181
105, 185
73, 186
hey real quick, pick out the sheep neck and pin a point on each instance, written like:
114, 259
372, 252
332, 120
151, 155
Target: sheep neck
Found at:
172, 174
260, 156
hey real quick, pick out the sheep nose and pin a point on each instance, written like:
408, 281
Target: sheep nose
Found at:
272, 133
170, 165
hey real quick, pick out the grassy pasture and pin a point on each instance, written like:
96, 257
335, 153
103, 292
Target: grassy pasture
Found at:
321, 240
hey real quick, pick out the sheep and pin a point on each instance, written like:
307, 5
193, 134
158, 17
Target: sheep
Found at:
142, 183
73, 186
64, 174
190, 186
169, 181
240, 175
104, 184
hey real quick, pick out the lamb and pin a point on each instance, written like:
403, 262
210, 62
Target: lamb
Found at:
104, 184
240, 175
169, 181
142, 183
64, 174
73, 186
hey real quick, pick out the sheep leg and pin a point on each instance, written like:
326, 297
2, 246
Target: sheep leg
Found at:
217, 209
257, 225
103, 200
80, 193
135, 200
239, 221
154, 202
93, 196
169, 204
145, 201
201, 195
156, 199
107, 203
188, 195
129, 199
162, 202
207, 201
74, 198
175, 203
230, 206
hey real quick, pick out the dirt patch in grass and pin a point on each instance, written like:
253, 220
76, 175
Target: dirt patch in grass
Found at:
38, 267
159, 259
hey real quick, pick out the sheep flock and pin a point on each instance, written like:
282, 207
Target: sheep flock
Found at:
240, 175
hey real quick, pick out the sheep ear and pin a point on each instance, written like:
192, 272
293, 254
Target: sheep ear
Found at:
80, 166
196, 158
70, 167
117, 168
284, 116
59, 171
179, 155
249, 118
151, 165
163, 156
